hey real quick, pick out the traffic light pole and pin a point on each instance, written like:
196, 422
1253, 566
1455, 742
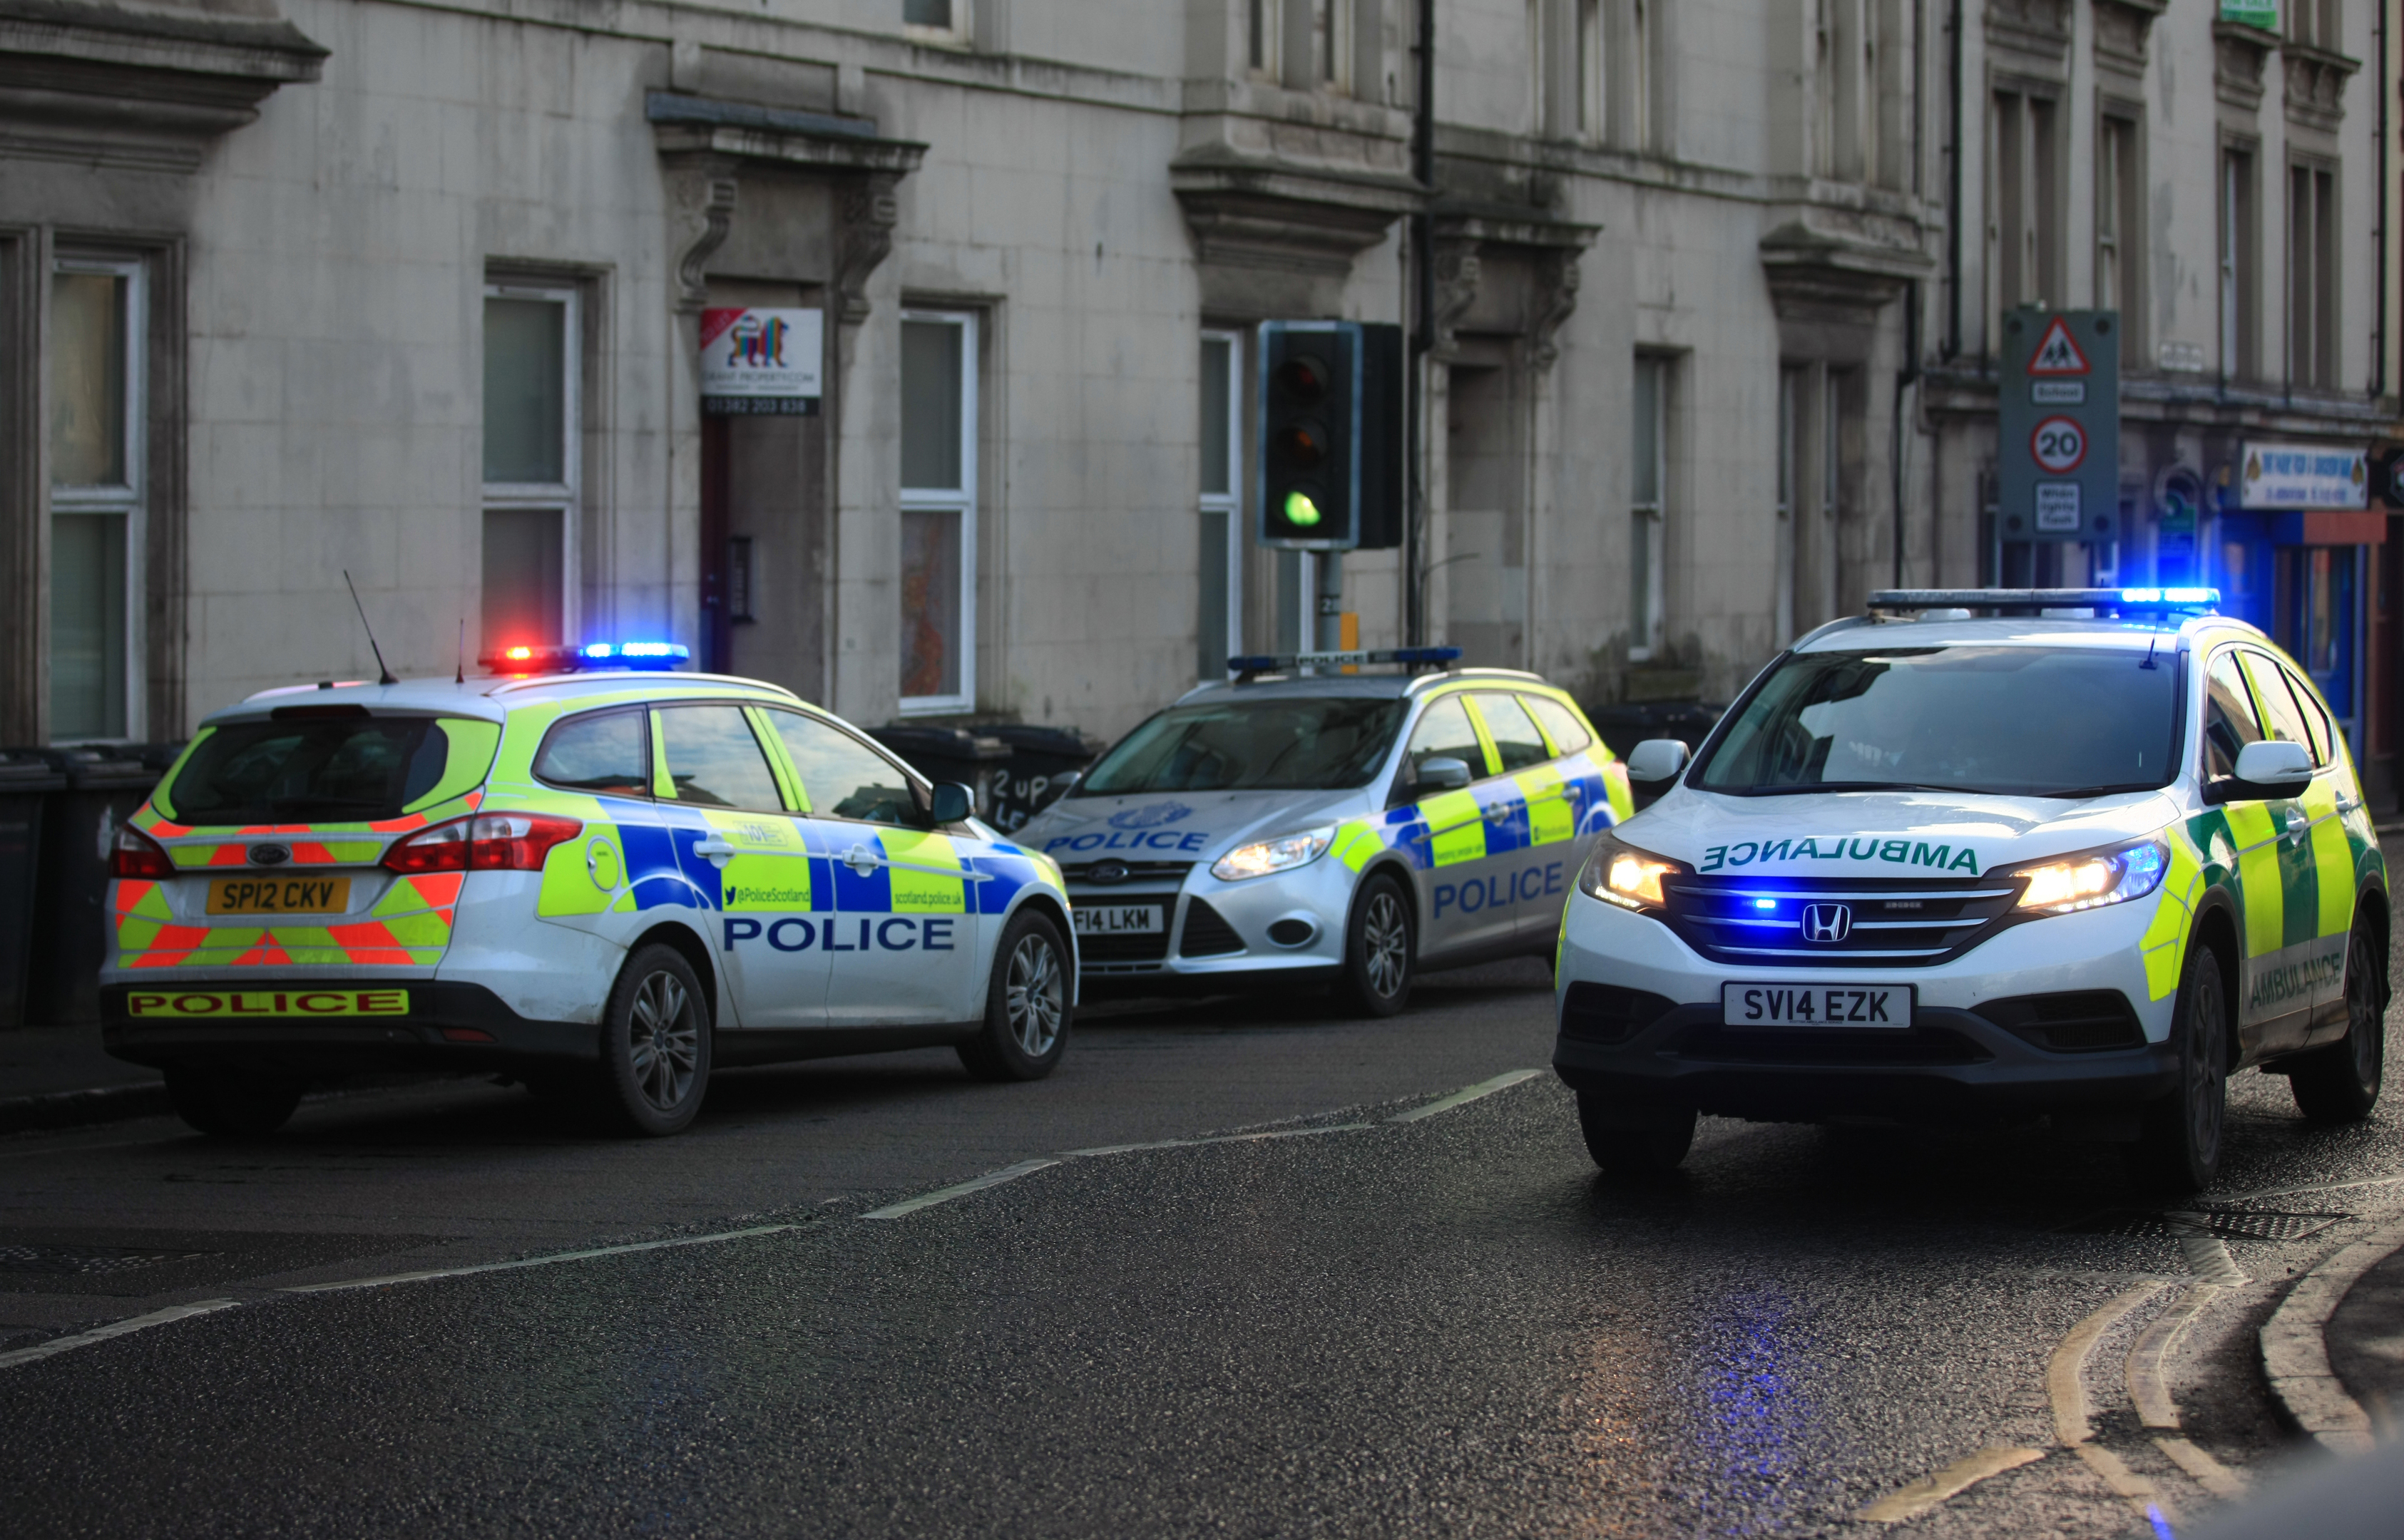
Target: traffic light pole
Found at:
1331, 600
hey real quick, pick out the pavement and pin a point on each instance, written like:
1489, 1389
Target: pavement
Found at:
56, 1077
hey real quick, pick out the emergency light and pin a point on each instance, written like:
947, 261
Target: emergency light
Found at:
2102, 602
593, 654
1408, 657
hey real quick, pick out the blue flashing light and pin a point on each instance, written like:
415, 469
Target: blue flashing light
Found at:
625, 655
2177, 599
1765, 903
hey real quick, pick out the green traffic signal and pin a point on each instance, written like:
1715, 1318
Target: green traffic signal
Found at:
1300, 511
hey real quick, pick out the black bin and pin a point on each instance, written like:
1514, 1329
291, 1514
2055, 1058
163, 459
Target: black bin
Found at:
1628, 722
963, 756
27, 779
104, 786
1040, 761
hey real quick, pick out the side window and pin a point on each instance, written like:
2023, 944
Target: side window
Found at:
713, 759
1567, 733
2280, 712
2316, 720
2228, 720
1514, 731
1445, 733
604, 753
843, 778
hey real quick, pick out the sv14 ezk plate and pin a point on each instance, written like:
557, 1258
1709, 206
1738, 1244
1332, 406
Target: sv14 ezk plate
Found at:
1816, 1004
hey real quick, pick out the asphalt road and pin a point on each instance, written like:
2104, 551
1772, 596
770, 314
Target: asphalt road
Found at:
1348, 1325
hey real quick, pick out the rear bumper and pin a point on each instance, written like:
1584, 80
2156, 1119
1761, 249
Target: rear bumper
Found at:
431, 1026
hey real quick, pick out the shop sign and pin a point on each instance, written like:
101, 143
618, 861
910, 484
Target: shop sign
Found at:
761, 363
2252, 13
2302, 475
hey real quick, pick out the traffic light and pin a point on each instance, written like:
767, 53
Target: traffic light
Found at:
1330, 436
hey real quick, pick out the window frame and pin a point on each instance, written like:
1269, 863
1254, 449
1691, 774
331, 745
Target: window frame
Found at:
1654, 514
962, 501
2025, 232
2313, 279
1229, 505
2237, 198
538, 496
958, 35
642, 715
2120, 221
129, 501
781, 757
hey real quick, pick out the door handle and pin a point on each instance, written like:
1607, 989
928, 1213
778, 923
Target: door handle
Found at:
717, 850
861, 859
2297, 822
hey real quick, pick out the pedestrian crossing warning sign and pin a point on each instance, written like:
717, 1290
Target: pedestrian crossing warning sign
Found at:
2057, 353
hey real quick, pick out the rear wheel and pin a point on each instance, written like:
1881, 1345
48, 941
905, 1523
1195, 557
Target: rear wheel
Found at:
1379, 953
233, 1104
1634, 1141
655, 1043
2178, 1147
2339, 1083
1026, 1008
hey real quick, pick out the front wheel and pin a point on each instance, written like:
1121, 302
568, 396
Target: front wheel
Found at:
1634, 1140
2178, 1148
1026, 1008
2339, 1083
1378, 958
655, 1043
233, 1104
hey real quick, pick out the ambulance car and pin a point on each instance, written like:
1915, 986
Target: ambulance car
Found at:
1988, 854
603, 879
1304, 826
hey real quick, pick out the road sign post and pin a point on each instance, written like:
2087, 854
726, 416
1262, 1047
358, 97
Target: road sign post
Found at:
2058, 460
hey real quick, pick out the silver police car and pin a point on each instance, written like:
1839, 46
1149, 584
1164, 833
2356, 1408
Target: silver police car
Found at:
1292, 828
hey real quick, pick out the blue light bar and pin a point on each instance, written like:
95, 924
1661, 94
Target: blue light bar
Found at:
1276, 662
593, 654
2176, 599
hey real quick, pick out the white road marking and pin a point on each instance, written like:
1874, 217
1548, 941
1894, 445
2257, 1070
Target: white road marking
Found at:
944, 1195
115, 1328
2292, 1192
545, 1261
1466, 1094
1925, 1493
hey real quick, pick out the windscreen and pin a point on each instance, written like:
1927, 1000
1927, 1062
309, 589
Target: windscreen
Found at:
1266, 743
2014, 721
346, 769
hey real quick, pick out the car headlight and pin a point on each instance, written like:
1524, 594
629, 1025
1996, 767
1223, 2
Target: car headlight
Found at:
1619, 873
1265, 857
2087, 881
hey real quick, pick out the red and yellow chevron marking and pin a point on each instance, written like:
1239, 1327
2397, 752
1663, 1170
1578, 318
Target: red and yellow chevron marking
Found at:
409, 927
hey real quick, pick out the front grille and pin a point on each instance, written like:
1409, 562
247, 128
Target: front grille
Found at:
1081, 872
1208, 933
2074, 1022
1920, 1045
1766, 922
1143, 948
1604, 1013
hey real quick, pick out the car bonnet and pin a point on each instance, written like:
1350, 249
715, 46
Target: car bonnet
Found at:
1183, 826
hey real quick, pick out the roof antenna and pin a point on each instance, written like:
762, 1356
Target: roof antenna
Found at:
461, 677
2151, 642
384, 672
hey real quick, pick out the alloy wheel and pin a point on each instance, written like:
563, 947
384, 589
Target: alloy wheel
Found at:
1035, 995
2367, 1027
1386, 937
2206, 1090
664, 1040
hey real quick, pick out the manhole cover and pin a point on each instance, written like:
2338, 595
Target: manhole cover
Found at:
2229, 1224
58, 1260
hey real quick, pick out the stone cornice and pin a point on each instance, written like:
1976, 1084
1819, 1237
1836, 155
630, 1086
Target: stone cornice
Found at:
2317, 79
802, 141
2237, 53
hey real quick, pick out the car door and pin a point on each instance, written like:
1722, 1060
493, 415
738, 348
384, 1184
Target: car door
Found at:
747, 854
902, 943
2320, 902
2273, 1005
1461, 908
1542, 802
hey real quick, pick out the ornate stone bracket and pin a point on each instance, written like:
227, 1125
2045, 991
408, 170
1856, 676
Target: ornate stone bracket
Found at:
2122, 28
2039, 29
710, 213
2238, 54
1819, 271
1537, 255
870, 213
1458, 272
2317, 80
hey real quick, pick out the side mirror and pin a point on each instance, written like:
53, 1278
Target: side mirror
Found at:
951, 803
1441, 773
1657, 761
2265, 770
1061, 785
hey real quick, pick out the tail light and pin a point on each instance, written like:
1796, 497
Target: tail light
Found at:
136, 855
491, 841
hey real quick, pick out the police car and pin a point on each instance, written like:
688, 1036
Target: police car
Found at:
1988, 854
596, 877
1306, 825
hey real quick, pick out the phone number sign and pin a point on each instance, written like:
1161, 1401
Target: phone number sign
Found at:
2058, 460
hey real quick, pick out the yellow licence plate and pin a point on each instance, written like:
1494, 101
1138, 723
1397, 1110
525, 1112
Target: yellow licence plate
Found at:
280, 895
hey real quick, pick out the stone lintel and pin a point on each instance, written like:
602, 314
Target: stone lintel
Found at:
2315, 82
1284, 217
1819, 273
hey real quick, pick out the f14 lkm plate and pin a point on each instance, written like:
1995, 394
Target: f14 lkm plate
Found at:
1816, 1004
1119, 920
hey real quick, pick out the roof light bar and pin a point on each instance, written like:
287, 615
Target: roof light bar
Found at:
2104, 602
1409, 658
593, 654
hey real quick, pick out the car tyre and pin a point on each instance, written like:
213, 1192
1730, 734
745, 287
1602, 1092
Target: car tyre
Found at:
1629, 1143
2179, 1142
655, 1045
232, 1103
1380, 950
2338, 1083
1027, 1005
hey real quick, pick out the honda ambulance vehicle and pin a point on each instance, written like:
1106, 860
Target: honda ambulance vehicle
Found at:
1303, 826
590, 874
1986, 855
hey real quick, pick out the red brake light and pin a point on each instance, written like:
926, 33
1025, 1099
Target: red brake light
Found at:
518, 841
441, 848
136, 855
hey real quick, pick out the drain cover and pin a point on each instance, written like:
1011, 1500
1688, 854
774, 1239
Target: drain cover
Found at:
88, 1259
2228, 1224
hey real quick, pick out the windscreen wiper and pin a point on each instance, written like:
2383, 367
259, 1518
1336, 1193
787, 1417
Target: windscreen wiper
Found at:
1804, 788
2106, 790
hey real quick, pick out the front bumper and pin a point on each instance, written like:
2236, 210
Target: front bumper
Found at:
315, 1027
1283, 928
1953, 1063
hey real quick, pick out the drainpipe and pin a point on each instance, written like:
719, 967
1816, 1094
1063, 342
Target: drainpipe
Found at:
1905, 379
1953, 197
1422, 263
2379, 351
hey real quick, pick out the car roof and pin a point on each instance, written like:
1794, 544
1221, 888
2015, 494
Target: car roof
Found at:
492, 698
1380, 687
2132, 633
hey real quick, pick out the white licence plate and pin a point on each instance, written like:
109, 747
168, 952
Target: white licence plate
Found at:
1119, 920
1850, 1005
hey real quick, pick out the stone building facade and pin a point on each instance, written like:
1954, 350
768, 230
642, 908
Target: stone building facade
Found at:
296, 288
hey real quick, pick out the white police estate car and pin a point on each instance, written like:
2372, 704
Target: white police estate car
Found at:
1988, 854
1332, 828
583, 875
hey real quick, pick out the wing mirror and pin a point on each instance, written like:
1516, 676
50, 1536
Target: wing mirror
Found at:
1657, 761
951, 803
2265, 770
1441, 772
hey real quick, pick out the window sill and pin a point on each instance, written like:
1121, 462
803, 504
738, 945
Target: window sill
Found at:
935, 705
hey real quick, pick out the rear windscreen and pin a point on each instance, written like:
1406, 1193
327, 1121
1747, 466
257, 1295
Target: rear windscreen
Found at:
351, 770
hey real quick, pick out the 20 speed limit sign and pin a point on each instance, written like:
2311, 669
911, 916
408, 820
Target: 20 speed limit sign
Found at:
2059, 445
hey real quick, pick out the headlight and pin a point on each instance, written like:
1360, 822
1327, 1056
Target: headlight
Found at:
2077, 883
1283, 853
1619, 873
